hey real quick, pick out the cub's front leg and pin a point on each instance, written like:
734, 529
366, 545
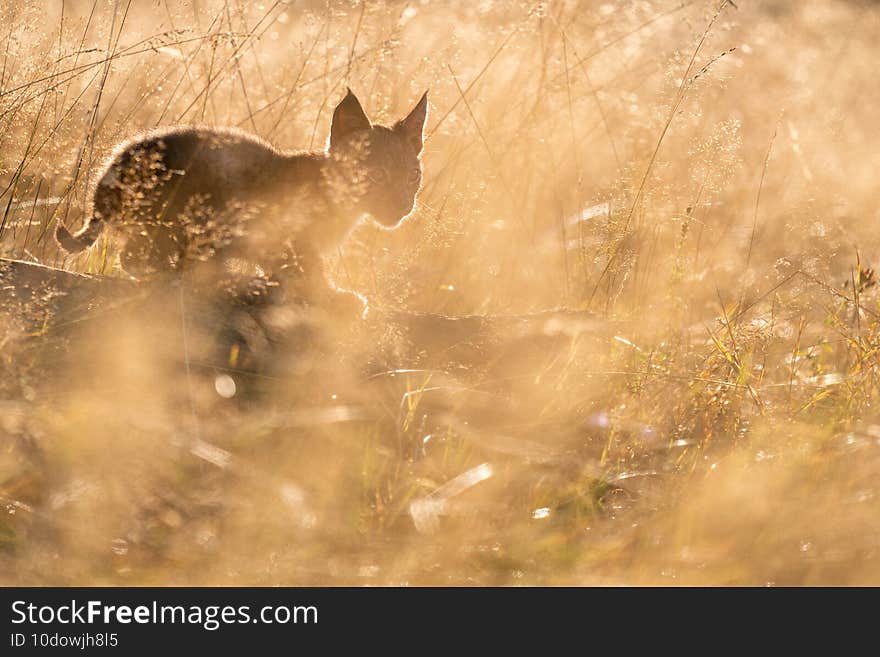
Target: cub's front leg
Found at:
345, 303
304, 275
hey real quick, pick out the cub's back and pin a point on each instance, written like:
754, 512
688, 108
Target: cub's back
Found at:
221, 161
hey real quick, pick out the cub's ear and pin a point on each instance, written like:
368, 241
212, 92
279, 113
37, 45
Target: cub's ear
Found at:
348, 117
412, 127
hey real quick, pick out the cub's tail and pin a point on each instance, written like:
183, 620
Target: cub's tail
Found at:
82, 239
106, 203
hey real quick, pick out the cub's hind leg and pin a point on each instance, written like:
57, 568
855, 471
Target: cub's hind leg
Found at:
152, 250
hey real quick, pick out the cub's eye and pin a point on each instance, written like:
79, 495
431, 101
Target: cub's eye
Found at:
378, 176
415, 177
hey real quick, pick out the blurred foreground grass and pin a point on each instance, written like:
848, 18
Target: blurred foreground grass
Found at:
700, 180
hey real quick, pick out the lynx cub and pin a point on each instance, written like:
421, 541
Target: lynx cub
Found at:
182, 194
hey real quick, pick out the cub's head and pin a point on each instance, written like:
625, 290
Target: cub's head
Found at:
377, 168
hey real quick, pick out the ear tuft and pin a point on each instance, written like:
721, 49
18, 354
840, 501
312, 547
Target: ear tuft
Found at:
348, 117
413, 125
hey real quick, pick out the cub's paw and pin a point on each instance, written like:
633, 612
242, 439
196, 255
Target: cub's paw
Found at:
346, 304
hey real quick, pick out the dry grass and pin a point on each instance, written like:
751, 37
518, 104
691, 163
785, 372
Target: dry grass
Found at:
701, 180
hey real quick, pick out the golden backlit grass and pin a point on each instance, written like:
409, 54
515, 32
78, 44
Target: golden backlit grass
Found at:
693, 182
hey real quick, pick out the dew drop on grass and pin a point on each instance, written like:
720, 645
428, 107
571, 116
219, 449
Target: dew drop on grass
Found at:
407, 15
225, 386
599, 420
